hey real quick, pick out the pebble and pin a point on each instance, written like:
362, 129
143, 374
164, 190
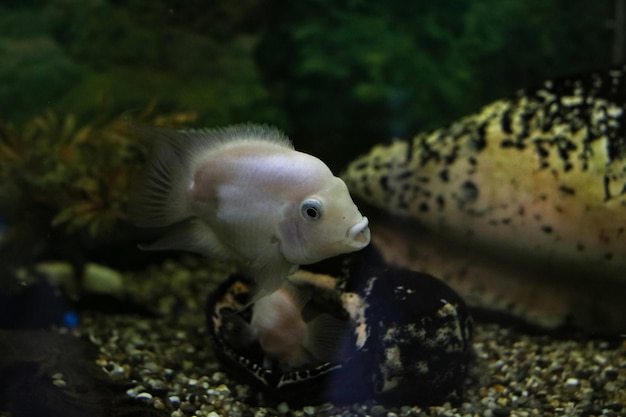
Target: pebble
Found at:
144, 396
572, 383
283, 408
168, 362
59, 383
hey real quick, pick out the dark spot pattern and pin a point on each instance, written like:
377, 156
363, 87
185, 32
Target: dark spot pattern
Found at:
469, 191
567, 190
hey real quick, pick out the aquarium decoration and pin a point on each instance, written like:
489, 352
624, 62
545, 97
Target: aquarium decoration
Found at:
407, 339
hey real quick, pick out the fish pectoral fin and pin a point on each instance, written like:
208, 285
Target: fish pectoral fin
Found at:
190, 235
239, 332
301, 294
269, 280
324, 335
257, 294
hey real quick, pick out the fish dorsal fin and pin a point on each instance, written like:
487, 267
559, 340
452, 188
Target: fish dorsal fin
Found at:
160, 195
207, 138
324, 335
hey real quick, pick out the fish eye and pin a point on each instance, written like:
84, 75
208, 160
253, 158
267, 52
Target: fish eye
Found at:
311, 210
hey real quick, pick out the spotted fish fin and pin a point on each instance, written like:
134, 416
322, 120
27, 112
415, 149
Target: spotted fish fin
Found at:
324, 336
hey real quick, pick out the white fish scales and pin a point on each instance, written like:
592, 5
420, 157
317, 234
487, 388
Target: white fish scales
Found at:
243, 194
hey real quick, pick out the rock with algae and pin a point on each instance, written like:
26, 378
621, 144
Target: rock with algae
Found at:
521, 206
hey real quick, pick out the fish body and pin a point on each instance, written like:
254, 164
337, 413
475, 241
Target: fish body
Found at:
285, 336
538, 179
243, 194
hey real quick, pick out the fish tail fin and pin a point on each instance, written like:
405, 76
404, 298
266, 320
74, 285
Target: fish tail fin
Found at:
324, 335
159, 197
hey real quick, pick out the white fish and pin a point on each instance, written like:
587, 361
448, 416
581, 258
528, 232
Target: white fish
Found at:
242, 193
285, 336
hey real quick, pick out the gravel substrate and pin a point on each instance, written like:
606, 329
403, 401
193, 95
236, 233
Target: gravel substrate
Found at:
167, 364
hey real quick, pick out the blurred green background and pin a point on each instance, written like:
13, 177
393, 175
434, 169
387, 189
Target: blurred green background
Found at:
337, 76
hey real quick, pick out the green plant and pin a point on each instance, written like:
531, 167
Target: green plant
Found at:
81, 174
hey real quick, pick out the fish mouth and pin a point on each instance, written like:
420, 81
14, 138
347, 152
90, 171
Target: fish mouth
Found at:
358, 236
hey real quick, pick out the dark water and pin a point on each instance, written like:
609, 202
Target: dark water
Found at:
346, 75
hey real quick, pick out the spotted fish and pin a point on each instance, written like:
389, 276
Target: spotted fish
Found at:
521, 206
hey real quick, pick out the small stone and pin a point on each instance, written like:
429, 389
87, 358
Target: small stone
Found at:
151, 366
378, 411
308, 410
222, 388
283, 408
158, 384
572, 383
611, 373
59, 383
261, 412
188, 407
133, 392
144, 396
600, 359
158, 404
610, 386
325, 407
218, 376
501, 412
